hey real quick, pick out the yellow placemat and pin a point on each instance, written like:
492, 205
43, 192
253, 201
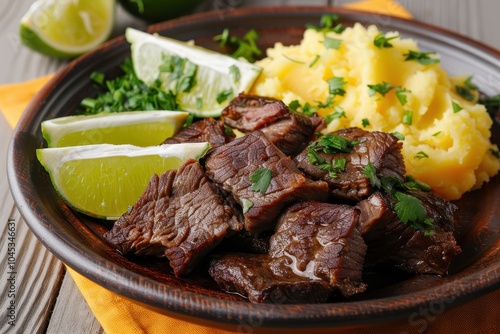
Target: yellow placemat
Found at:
121, 316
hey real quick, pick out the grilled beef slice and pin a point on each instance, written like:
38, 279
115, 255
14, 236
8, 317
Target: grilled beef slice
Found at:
316, 250
320, 241
180, 215
288, 130
205, 130
381, 149
231, 165
391, 241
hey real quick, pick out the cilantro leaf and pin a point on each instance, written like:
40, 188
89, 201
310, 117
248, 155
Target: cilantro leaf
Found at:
398, 135
331, 144
328, 23
234, 71
421, 57
371, 173
495, 153
400, 94
261, 179
408, 117
313, 61
224, 95
465, 92
336, 86
246, 205
381, 88
408, 208
294, 105
381, 41
245, 47
456, 107
421, 155
492, 104
365, 122
339, 113
332, 43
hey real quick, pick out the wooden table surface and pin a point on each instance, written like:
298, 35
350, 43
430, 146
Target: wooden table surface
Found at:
47, 300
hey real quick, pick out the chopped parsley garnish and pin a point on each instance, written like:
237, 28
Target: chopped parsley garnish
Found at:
294, 105
456, 107
436, 134
401, 94
181, 72
128, 93
495, 153
381, 41
338, 113
97, 77
224, 95
293, 60
313, 61
365, 122
337, 166
234, 71
328, 23
245, 47
306, 109
329, 103
408, 117
467, 90
411, 212
382, 88
408, 208
421, 57
421, 155
199, 103
336, 86
331, 144
332, 43
246, 205
261, 179
492, 104
398, 135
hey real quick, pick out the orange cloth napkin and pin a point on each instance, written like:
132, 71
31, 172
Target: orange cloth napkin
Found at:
119, 315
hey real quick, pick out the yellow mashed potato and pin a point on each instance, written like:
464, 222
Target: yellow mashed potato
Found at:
448, 149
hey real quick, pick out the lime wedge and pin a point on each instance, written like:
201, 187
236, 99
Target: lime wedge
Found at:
104, 180
203, 80
67, 28
140, 128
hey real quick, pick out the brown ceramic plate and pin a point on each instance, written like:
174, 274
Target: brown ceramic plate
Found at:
77, 241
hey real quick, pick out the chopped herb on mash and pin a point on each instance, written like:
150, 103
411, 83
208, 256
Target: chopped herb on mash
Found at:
401, 94
365, 122
421, 155
245, 47
327, 23
336, 86
408, 117
332, 43
313, 61
398, 135
421, 57
339, 113
382, 88
381, 41
456, 107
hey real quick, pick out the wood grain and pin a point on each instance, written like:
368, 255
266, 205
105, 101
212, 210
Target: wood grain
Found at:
40, 276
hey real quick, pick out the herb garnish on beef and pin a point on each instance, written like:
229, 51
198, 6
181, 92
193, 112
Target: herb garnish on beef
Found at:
231, 165
205, 130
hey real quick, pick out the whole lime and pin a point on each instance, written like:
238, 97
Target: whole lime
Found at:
159, 10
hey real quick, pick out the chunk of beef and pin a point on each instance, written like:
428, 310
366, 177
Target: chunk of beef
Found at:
288, 130
391, 241
231, 165
381, 149
205, 130
180, 215
250, 275
317, 249
320, 241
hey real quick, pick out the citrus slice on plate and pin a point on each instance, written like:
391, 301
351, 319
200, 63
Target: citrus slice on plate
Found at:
204, 81
104, 180
140, 128
67, 28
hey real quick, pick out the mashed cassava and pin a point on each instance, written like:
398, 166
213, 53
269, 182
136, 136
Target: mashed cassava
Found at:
446, 137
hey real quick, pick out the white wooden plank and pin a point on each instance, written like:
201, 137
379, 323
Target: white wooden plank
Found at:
71, 311
30, 276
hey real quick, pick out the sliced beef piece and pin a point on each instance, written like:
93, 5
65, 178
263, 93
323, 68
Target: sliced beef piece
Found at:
250, 275
205, 130
180, 215
316, 250
231, 165
288, 130
320, 241
391, 241
381, 149
249, 113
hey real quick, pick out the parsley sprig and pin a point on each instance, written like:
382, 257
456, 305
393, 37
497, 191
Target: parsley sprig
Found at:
421, 57
328, 23
408, 208
261, 179
245, 47
127, 93
381, 41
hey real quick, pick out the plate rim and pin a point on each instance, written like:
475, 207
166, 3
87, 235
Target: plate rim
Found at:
230, 314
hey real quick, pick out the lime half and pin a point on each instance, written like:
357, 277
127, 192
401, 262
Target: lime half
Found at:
140, 128
104, 180
67, 28
203, 80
